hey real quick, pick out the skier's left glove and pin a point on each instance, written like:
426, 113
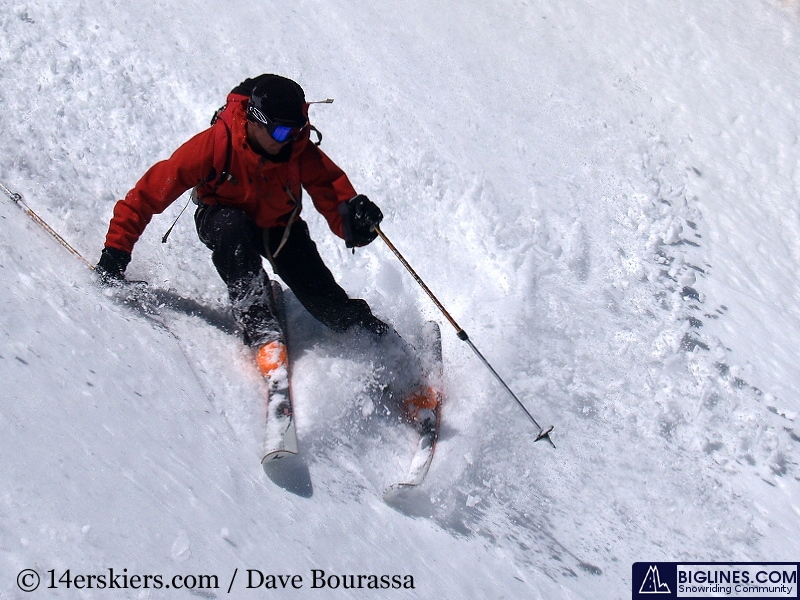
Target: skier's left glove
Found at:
111, 267
359, 217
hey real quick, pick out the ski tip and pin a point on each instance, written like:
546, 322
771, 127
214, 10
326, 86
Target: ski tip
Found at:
397, 491
544, 434
291, 474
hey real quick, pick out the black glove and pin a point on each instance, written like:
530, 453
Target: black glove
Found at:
112, 264
359, 217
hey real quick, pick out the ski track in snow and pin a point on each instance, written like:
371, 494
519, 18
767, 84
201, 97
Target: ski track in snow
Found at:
603, 194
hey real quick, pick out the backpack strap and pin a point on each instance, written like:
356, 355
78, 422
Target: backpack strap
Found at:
223, 123
295, 192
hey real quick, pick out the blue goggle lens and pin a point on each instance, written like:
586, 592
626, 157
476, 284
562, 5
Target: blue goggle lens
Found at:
281, 133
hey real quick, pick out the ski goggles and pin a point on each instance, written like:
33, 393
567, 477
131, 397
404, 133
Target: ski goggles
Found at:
280, 133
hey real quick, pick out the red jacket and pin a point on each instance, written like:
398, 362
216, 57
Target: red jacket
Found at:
258, 188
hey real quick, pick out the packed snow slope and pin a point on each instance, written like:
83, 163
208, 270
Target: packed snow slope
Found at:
604, 194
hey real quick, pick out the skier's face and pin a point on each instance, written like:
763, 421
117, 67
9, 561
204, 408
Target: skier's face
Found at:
257, 133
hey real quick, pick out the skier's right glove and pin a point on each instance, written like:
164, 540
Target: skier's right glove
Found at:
111, 266
359, 217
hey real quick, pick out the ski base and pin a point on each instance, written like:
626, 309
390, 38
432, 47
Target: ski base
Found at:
431, 356
277, 455
280, 438
420, 464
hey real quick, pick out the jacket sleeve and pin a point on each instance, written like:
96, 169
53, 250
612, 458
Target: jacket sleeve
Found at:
159, 187
327, 185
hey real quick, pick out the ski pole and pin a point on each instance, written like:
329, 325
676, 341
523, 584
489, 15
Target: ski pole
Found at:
17, 198
544, 434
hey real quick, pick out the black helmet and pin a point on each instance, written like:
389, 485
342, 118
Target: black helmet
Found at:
278, 100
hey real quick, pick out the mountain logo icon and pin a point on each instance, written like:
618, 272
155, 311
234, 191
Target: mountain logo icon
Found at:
652, 583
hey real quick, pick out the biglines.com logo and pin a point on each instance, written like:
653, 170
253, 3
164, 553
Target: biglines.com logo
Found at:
662, 580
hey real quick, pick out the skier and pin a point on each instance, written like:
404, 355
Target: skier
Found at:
253, 210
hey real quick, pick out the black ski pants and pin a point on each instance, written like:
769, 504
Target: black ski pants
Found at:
238, 245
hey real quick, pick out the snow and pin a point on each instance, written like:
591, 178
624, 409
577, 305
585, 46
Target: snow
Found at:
603, 193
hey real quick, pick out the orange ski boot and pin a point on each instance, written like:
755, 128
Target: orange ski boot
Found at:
271, 357
420, 408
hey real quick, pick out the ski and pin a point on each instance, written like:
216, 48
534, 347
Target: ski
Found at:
280, 439
428, 426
